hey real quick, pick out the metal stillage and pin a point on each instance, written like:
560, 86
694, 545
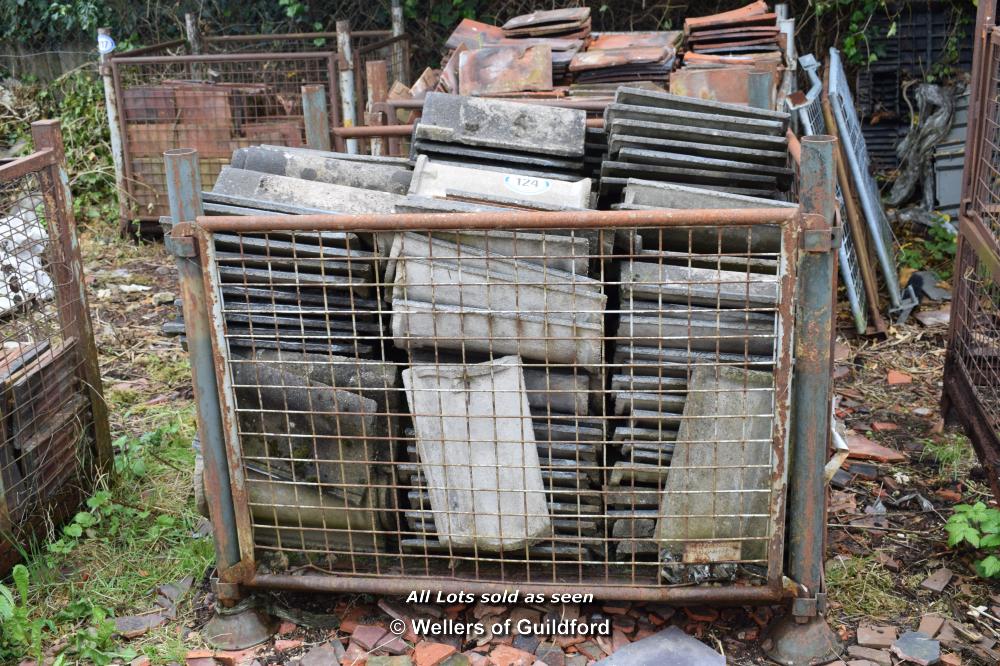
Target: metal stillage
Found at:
972, 367
53, 423
596, 401
217, 102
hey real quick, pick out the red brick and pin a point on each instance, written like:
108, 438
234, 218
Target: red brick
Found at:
506, 655
431, 654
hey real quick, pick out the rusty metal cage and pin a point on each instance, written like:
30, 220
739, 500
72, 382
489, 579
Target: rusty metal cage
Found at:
972, 366
53, 424
596, 401
217, 102
243, 90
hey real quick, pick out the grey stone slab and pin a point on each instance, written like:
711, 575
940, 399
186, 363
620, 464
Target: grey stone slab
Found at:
414, 204
718, 151
698, 330
633, 528
236, 294
353, 157
645, 281
437, 271
251, 206
356, 270
742, 263
502, 124
625, 434
433, 179
655, 419
322, 167
332, 425
298, 192
628, 382
560, 251
715, 121
375, 380
719, 483
505, 163
476, 447
761, 184
339, 246
242, 337
242, 211
628, 401
632, 499
709, 135
782, 174
630, 473
551, 390
662, 361
670, 647
671, 102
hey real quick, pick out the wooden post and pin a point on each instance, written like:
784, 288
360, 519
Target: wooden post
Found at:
377, 84
348, 103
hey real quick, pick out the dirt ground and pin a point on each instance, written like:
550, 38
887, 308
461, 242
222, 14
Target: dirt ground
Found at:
886, 520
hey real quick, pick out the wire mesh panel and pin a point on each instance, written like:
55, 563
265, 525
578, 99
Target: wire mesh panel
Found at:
857, 157
47, 420
985, 193
214, 104
812, 122
972, 367
570, 406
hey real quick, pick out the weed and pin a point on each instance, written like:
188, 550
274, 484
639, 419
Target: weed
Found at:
979, 527
134, 534
935, 251
863, 588
952, 453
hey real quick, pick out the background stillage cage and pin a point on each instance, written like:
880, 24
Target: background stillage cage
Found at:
240, 91
972, 368
53, 424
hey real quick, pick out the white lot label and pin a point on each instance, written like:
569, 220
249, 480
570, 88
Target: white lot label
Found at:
526, 184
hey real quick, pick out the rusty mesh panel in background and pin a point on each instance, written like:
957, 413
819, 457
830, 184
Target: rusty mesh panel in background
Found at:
46, 422
214, 105
557, 406
976, 344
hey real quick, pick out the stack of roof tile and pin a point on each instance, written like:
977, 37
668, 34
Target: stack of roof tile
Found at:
749, 29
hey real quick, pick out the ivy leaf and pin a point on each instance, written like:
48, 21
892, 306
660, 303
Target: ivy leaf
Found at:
892, 30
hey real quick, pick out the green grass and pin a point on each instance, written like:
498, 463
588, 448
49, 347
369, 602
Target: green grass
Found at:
134, 534
953, 454
863, 588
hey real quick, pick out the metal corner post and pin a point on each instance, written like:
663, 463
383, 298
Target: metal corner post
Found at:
812, 381
804, 637
184, 193
114, 126
317, 120
47, 134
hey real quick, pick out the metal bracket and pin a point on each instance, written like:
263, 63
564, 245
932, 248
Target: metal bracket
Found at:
822, 240
180, 247
806, 607
908, 301
226, 591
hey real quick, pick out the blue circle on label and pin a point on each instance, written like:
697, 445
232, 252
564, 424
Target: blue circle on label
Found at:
105, 44
527, 185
